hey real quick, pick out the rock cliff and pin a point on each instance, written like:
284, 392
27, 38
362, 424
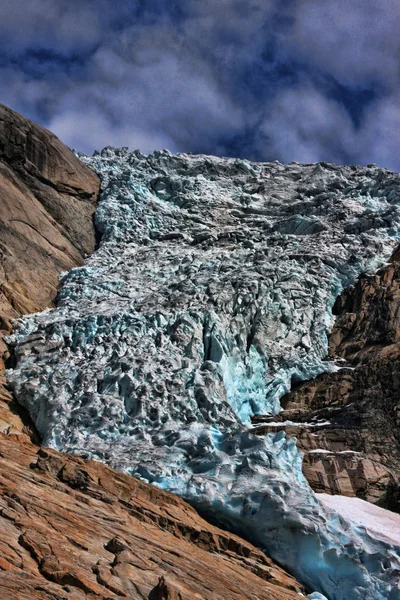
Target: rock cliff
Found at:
353, 444
47, 200
72, 529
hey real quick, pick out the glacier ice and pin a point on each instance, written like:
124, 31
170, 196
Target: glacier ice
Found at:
209, 296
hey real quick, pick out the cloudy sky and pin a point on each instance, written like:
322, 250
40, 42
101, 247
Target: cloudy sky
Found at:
303, 80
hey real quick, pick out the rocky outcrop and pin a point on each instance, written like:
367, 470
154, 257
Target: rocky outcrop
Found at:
352, 440
72, 529
47, 200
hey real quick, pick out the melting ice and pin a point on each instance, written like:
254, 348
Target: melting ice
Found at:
210, 294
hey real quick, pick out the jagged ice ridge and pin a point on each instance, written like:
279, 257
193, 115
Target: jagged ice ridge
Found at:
210, 294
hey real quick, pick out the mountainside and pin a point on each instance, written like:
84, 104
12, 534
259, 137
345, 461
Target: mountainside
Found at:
69, 528
209, 297
72, 529
48, 198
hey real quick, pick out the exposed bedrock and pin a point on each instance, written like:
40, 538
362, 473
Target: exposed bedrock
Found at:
73, 530
48, 198
348, 423
47, 201
209, 297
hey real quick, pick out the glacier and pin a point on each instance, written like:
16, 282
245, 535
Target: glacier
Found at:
209, 296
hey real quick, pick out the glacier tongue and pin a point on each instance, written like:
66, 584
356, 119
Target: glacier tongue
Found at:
209, 296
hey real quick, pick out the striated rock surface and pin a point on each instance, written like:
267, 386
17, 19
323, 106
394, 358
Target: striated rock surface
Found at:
47, 200
210, 295
352, 442
72, 529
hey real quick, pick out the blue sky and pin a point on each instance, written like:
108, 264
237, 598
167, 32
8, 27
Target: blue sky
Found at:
303, 80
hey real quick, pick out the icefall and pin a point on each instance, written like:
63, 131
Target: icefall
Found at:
210, 294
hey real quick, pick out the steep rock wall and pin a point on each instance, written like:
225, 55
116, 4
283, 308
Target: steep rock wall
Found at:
355, 451
47, 201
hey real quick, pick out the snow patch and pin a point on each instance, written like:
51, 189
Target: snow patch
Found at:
379, 522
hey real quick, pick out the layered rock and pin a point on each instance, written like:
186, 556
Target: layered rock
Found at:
348, 422
47, 200
72, 529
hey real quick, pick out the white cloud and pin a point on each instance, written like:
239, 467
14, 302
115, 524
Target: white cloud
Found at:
87, 130
144, 100
355, 41
379, 139
302, 124
65, 26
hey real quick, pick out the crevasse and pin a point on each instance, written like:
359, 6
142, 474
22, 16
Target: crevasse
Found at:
210, 294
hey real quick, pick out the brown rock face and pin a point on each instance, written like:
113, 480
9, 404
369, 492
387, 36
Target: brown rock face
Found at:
358, 452
75, 529
47, 199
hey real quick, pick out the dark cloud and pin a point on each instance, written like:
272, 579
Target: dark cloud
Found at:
265, 79
67, 27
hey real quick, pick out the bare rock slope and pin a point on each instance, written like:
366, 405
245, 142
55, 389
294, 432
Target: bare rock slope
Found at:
47, 199
74, 529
